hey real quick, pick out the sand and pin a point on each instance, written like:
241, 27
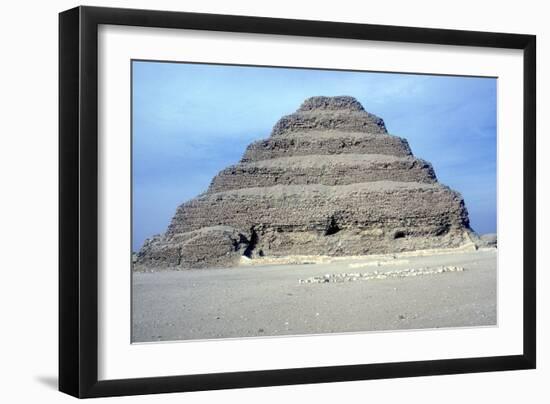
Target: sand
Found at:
275, 299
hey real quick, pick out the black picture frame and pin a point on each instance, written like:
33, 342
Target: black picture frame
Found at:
78, 201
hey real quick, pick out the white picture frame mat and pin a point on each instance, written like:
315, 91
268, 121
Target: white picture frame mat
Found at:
119, 359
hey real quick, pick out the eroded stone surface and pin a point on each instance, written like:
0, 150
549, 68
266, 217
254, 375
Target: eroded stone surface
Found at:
342, 169
329, 113
205, 247
325, 143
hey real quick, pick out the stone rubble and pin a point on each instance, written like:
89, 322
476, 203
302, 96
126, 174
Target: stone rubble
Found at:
368, 276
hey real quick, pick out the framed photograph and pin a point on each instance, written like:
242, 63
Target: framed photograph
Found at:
251, 201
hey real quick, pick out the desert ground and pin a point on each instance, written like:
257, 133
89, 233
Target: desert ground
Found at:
305, 295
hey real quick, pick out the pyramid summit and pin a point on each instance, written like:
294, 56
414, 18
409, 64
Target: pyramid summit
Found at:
329, 180
329, 113
343, 102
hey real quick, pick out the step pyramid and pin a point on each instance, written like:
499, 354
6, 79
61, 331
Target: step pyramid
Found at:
329, 180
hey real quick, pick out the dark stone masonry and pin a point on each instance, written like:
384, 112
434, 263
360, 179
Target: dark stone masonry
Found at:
329, 180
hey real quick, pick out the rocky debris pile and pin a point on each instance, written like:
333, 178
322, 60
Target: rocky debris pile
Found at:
189, 249
488, 240
368, 276
329, 180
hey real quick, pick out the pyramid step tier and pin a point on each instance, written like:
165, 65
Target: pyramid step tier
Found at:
321, 103
328, 119
338, 169
415, 209
326, 143
366, 218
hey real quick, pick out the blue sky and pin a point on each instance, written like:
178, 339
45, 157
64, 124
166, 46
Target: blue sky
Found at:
192, 120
